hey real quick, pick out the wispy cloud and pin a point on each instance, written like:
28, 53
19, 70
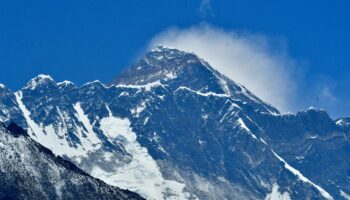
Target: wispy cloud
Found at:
250, 59
205, 8
327, 95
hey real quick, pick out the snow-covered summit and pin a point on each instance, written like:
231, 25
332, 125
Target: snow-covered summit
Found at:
65, 83
177, 68
39, 80
159, 63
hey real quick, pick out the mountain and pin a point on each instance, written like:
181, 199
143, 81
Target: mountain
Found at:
30, 171
173, 127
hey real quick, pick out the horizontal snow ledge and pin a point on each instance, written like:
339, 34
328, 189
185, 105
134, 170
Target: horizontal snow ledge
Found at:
202, 94
303, 178
147, 86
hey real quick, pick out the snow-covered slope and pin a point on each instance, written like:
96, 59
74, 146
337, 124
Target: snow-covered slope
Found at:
173, 127
30, 171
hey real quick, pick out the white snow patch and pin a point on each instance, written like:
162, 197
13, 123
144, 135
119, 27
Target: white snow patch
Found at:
263, 141
123, 94
136, 111
222, 179
345, 195
313, 137
341, 122
224, 86
303, 178
159, 57
50, 137
200, 93
162, 149
86, 123
146, 121
228, 112
44, 76
110, 114
65, 83
300, 157
113, 127
244, 127
94, 82
276, 195
2, 85
108, 156
142, 174
147, 86
170, 75
205, 117
63, 128
34, 127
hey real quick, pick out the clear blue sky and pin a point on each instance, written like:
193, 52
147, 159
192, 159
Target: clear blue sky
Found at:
89, 39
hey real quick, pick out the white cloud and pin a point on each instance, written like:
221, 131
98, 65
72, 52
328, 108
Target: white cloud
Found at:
327, 95
205, 8
250, 59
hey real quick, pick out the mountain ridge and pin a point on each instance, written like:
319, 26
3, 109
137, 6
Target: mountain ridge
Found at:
204, 139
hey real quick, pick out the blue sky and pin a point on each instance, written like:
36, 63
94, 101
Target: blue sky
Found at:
87, 40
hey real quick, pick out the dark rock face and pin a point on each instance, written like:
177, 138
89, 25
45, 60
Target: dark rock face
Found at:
173, 127
30, 171
313, 143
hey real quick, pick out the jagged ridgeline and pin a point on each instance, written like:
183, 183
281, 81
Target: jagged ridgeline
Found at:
172, 127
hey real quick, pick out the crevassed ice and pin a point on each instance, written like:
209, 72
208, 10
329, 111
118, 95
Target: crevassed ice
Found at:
142, 174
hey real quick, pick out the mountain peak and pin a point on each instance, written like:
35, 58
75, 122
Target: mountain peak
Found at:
39, 80
3, 88
94, 83
159, 63
162, 53
177, 68
166, 49
161, 47
65, 82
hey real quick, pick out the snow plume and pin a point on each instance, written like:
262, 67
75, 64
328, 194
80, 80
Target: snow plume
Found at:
255, 61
